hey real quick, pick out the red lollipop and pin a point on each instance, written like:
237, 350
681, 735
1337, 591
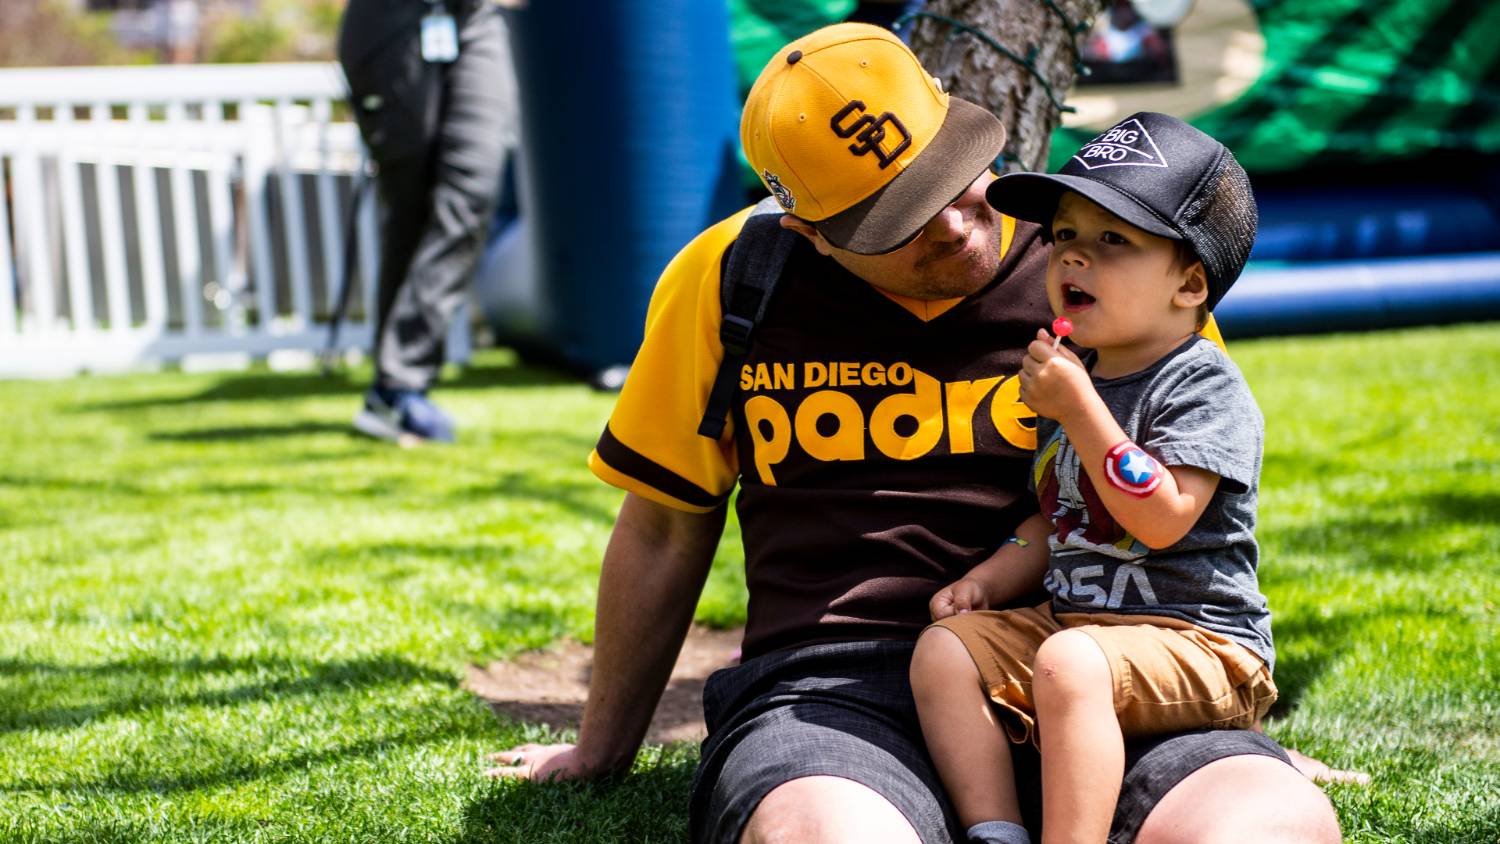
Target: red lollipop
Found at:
1061, 327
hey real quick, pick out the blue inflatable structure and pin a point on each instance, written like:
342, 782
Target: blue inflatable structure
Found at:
1362, 295
1333, 222
629, 148
1348, 258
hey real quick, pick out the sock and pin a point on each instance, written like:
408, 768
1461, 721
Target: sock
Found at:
998, 832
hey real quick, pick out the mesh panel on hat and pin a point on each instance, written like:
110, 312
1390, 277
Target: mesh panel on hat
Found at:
1220, 224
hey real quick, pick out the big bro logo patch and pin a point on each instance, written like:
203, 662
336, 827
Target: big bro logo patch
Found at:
842, 418
1126, 144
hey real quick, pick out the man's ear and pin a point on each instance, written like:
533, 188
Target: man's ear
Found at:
804, 228
1194, 289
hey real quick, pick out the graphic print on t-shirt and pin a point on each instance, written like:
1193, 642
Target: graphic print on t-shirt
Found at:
1081, 521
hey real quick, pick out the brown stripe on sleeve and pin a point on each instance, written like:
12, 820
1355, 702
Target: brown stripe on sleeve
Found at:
630, 462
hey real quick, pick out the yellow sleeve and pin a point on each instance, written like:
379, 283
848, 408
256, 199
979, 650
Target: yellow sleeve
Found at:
651, 445
1210, 331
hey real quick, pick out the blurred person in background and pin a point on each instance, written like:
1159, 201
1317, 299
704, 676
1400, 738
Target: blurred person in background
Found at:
423, 80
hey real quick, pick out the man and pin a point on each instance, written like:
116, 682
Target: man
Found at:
881, 448
422, 77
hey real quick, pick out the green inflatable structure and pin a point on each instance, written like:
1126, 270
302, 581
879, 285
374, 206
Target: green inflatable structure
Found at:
1287, 84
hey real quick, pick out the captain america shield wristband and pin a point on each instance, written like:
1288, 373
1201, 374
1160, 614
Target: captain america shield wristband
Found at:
1131, 470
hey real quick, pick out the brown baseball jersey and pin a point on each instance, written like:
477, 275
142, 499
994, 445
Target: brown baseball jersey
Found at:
879, 442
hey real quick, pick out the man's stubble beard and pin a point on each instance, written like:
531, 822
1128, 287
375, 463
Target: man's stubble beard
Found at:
933, 277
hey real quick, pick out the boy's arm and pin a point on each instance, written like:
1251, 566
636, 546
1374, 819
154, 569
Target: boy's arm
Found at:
1009, 573
1055, 385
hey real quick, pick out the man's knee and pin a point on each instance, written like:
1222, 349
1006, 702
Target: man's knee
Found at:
1242, 798
826, 810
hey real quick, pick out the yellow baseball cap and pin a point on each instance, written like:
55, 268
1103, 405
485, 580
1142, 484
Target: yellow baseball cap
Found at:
849, 132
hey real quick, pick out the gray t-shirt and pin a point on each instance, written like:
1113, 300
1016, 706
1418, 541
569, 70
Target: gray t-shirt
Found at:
1191, 408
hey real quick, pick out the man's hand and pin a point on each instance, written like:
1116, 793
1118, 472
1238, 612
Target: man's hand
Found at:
959, 596
540, 762
653, 574
1053, 381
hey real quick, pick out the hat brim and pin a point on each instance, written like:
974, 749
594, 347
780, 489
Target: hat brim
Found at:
1034, 197
965, 145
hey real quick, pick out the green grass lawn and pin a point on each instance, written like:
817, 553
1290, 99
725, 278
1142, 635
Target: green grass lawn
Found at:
225, 618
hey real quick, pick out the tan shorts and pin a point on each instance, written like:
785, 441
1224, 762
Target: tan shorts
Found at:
1168, 674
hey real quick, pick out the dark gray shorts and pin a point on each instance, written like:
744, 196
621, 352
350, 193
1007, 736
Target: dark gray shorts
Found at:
846, 710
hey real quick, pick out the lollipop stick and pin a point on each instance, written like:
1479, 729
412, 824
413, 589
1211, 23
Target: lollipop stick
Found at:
1061, 327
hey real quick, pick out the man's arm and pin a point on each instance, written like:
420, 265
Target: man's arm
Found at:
654, 569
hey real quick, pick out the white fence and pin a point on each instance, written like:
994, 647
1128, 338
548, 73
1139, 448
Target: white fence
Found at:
177, 213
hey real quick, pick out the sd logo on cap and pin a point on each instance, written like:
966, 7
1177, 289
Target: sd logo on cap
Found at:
850, 133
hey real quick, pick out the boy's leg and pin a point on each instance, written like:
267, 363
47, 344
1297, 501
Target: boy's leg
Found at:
1083, 751
968, 745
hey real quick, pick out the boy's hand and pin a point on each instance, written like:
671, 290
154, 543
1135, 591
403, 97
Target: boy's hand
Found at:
1053, 381
957, 597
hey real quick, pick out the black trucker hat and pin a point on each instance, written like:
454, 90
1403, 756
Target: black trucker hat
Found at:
1158, 174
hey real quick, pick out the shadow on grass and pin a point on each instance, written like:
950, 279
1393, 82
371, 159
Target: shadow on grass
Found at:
579, 498
1394, 539
1297, 668
422, 730
260, 385
1478, 508
1366, 540
252, 432
93, 485
649, 805
502, 561
174, 761
679, 713
216, 490
133, 686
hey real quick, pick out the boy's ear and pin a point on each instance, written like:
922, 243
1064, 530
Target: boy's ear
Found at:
1194, 289
804, 228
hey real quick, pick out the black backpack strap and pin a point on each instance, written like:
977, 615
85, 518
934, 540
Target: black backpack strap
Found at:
749, 277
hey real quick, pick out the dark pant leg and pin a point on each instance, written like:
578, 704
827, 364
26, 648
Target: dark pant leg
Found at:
462, 169
404, 186
397, 99
846, 709
843, 709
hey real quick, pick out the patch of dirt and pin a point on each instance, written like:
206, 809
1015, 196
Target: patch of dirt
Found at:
549, 686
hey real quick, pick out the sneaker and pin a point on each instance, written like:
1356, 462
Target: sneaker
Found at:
406, 417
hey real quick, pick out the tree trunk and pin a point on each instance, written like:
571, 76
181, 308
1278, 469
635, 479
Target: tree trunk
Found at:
976, 71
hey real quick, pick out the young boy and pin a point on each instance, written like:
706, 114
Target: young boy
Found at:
1146, 468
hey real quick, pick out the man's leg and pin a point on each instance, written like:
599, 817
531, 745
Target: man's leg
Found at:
404, 212
825, 810
817, 743
1242, 798
465, 183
